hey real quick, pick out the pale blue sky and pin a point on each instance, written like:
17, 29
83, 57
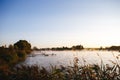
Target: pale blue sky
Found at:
51, 23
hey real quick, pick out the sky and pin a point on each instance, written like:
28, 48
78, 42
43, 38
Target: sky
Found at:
56, 23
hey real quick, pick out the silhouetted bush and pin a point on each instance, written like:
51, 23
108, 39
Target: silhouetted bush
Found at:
78, 47
115, 48
23, 45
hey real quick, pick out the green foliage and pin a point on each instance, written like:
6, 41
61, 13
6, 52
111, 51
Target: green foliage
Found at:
23, 45
21, 54
8, 55
13, 54
86, 72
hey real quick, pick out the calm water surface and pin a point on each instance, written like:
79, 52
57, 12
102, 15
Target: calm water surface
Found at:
65, 58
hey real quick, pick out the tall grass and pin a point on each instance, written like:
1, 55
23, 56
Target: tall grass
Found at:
86, 72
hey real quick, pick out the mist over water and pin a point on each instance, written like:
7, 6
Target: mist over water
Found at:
66, 58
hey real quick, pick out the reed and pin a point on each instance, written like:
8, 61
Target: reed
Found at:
75, 72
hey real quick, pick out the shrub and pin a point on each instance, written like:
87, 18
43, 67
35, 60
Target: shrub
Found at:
21, 55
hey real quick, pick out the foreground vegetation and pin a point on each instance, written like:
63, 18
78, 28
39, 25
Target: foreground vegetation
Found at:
14, 53
86, 72
9, 56
75, 72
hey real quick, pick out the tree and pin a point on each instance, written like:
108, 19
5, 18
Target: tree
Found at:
117, 48
23, 45
77, 47
35, 48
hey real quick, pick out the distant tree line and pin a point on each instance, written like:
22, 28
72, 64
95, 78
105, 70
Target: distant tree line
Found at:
77, 47
114, 48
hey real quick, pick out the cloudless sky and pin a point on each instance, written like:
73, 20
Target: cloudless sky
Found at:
51, 23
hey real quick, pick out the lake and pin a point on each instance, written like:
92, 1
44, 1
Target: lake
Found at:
66, 58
